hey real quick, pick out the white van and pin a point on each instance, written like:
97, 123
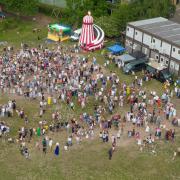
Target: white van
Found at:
76, 35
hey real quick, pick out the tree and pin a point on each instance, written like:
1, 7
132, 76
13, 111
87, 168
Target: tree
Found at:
115, 22
78, 8
137, 10
25, 7
108, 24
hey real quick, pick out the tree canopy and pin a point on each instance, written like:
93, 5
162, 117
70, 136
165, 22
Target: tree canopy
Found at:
25, 7
114, 17
76, 9
114, 24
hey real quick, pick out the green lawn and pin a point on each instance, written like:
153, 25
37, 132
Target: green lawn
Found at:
16, 31
89, 160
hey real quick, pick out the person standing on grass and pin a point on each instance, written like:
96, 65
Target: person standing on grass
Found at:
26, 119
38, 131
50, 144
44, 144
110, 152
56, 151
30, 134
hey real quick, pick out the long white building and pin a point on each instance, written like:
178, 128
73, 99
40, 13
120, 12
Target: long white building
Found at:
158, 38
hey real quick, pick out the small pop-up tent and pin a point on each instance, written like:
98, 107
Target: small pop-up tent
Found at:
125, 58
116, 49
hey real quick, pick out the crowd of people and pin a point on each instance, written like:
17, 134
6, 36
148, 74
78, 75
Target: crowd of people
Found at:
6, 110
62, 74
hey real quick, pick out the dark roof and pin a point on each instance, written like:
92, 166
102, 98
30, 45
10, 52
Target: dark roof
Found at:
161, 28
138, 54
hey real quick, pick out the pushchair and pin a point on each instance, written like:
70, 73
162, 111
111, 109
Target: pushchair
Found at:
25, 152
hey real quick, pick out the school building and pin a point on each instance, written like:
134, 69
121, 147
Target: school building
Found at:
158, 38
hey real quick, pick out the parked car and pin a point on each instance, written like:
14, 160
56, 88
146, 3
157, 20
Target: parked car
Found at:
161, 73
2, 15
138, 65
76, 35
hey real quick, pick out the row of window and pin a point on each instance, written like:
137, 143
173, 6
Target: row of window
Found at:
174, 49
161, 60
153, 40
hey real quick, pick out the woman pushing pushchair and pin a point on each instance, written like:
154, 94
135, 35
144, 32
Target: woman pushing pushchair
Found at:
24, 151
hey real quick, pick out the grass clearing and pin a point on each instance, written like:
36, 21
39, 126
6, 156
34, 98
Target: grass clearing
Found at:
16, 31
89, 160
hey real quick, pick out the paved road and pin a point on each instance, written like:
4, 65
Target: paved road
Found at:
176, 17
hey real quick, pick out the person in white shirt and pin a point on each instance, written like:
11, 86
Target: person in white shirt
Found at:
50, 144
147, 130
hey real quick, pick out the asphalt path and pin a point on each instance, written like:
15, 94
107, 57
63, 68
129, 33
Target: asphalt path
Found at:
176, 17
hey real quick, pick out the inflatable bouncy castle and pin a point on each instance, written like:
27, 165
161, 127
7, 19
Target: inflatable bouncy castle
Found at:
92, 36
58, 32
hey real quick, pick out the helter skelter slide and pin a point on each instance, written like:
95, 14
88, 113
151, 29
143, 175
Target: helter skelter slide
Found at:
92, 36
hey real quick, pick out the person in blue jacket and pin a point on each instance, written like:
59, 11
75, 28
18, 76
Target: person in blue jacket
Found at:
56, 151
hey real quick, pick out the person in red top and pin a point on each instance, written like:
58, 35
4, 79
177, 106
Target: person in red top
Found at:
159, 103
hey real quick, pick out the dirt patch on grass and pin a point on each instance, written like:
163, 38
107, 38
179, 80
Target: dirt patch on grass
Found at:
43, 20
176, 17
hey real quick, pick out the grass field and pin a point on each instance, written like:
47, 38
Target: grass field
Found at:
16, 31
89, 160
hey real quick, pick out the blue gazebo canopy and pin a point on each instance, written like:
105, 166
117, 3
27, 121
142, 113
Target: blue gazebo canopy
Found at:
116, 49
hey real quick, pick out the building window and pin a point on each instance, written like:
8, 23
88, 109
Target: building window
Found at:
167, 62
178, 51
176, 67
174, 49
162, 59
157, 57
136, 33
127, 29
154, 40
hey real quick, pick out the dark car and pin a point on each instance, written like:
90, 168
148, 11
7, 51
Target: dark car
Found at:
138, 65
161, 74
2, 15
